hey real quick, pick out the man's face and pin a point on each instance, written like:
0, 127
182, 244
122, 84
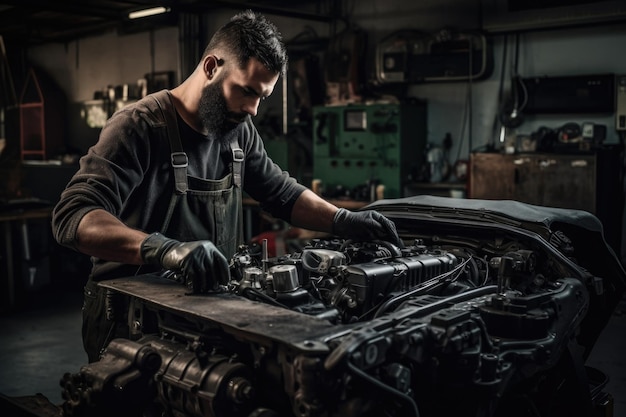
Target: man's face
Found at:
234, 95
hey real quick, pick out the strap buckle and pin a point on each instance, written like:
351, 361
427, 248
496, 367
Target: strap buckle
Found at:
238, 155
179, 160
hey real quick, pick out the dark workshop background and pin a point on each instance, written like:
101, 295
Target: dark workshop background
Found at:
517, 100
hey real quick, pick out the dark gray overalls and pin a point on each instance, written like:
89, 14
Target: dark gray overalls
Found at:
199, 209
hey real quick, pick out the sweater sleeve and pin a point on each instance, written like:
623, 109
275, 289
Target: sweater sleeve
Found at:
107, 174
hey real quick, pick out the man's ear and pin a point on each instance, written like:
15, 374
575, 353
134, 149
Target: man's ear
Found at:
211, 62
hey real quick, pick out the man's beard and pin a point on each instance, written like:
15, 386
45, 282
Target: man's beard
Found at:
214, 113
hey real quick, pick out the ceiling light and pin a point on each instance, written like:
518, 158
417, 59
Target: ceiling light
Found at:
148, 12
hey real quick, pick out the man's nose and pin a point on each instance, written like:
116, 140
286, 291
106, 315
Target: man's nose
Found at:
251, 106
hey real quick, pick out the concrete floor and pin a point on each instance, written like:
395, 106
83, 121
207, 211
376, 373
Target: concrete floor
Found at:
41, 341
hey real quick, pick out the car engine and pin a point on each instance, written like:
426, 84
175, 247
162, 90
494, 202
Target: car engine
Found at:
467, 319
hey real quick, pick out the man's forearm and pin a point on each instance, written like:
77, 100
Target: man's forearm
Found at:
102, 235
312, 212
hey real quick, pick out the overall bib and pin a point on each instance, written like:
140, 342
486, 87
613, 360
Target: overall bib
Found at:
199, 209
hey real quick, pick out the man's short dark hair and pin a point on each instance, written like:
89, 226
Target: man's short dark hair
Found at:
250, 35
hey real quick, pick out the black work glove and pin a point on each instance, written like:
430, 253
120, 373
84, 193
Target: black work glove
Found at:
200, 264
365, 225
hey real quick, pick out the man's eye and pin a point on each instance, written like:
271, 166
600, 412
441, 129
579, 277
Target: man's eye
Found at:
249, 92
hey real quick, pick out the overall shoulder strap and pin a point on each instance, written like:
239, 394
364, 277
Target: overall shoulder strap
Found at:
178, 158
237, 163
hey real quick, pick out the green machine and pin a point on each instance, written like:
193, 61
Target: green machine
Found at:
364, 146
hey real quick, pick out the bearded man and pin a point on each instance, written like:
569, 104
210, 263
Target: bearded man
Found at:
161, 190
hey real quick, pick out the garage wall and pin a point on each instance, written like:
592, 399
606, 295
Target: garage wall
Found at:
93, 63
590, 50
557, 52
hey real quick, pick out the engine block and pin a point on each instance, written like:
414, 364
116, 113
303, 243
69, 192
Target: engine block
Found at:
342, 328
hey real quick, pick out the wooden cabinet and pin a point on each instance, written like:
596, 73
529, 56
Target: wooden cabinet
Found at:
554, 180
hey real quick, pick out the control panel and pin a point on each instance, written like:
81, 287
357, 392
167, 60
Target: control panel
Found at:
620, 103
359, 147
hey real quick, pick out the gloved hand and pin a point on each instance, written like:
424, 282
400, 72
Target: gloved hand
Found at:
200, 263
365, 225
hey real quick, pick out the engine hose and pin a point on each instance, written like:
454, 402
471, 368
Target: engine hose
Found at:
256, 295
411, 405
422, 289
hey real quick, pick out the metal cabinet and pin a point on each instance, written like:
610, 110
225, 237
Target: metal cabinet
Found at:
555, 180
377, 144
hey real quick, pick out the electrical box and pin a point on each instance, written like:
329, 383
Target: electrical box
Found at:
358, 148
409, 56
573, 94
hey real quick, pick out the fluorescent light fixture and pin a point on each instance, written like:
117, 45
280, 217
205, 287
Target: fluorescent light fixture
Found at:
148, 12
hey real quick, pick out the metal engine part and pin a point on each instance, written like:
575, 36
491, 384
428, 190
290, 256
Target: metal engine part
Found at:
133, 377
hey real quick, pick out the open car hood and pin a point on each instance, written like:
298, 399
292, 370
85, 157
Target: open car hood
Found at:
507, 212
